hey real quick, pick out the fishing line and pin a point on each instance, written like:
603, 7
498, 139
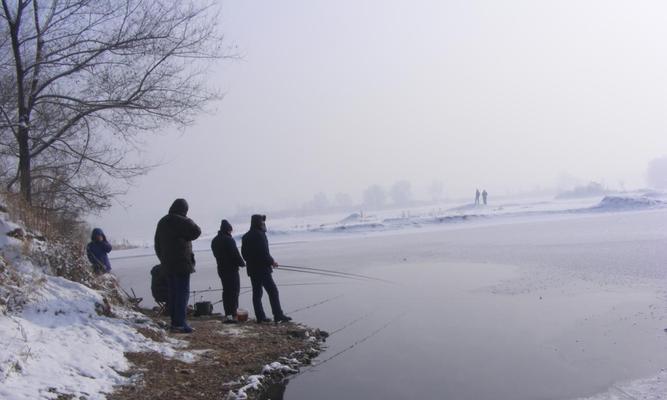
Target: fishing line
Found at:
353, 345
315, 304
354, 321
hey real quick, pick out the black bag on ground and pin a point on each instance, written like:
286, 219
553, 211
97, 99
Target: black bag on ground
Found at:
203, 308
159, 285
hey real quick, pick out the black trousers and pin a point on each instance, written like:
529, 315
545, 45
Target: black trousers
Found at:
231, 287
264, 280
179, 295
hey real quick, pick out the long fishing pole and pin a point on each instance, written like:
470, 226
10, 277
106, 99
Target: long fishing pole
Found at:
279, 285
292, 269
329, 271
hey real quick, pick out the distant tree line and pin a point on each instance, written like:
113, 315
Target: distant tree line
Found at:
375, 196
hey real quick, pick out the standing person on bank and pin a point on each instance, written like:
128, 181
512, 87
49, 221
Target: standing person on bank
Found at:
173, 246
98, 251
229, 260
255, 250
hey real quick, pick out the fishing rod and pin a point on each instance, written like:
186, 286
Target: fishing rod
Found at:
279, 284
292, 269
298, 309
329, 271
148, 255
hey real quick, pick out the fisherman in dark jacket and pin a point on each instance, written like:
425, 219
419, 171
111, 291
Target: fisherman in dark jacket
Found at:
255, 250
98, 251
173, 246
229, 260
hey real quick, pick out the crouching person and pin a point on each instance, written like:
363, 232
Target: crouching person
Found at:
255, 250
98, 252
229, 260
173, 246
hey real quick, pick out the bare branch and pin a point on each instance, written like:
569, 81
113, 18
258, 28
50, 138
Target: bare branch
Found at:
80, 80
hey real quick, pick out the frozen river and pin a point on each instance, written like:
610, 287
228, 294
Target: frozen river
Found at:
556, 308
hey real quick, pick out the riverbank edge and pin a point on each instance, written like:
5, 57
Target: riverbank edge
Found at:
227, 361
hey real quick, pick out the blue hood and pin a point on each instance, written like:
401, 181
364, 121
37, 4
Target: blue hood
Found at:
97, 231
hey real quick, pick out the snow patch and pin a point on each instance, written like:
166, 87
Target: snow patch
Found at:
59, 344
612, 203
52, 340
255, 382
278, 367
653, 388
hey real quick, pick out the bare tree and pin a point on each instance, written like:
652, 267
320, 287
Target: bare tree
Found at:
319, 202
374, 196
401, 193
343, 200
81, 79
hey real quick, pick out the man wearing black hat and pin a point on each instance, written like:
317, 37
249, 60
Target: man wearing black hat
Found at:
255, 250
173, 246
229, 260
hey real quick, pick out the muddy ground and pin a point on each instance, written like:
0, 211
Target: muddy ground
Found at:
226, 353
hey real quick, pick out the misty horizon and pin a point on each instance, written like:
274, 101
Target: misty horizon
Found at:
333, 98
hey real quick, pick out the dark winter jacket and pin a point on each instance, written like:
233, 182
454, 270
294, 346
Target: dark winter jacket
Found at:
225, 251
255, 248
173, 240
98, 252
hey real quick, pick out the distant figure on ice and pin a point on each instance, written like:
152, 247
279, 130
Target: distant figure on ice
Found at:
173, 246
255, 250
484, 194
477, 197
98, 252
229, 260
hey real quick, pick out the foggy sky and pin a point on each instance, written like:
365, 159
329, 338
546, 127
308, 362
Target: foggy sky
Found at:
335, 96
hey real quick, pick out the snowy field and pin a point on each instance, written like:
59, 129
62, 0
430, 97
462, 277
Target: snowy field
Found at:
531, 300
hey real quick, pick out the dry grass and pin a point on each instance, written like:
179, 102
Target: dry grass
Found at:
56, 242
227, 353
41, 222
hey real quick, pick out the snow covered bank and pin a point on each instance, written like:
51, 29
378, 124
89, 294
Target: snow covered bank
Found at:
59, 343
58, 336
390, 220
625, 203
653, 388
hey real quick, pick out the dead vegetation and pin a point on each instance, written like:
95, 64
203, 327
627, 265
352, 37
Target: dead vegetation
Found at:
225, 354
55, 244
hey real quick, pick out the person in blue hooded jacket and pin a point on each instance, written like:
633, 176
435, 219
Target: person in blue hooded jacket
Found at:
98, 251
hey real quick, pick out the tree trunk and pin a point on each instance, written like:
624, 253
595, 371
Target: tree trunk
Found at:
25, 179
